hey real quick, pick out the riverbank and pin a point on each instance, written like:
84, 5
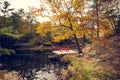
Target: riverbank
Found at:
101, 61
85, 68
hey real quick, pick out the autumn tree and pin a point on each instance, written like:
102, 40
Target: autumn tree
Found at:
96, 3
67, 20
110, 12
102, 17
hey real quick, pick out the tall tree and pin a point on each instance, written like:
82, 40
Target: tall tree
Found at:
103, 16
5, 10
97, 6
67, 18
112, 12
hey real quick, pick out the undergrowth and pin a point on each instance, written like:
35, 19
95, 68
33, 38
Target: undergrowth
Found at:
86, 69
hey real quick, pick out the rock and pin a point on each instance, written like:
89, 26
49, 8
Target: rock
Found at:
0, 64
80, 55
5, 75
86, 49
92, 53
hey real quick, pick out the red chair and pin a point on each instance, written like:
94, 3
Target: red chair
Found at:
67, 48
59, 48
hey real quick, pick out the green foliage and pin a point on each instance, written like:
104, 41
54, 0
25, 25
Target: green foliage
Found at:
8, 32
6, 51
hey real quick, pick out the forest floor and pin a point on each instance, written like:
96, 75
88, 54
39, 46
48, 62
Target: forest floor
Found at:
101, 61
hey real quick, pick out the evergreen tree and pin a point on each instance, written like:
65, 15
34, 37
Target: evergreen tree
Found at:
5, 10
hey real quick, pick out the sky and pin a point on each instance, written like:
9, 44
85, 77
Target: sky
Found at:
25, 4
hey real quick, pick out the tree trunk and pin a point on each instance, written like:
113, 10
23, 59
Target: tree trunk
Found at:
93, 24
77, 44
4, 15
84, 40
76, 40
97, 15
4, 20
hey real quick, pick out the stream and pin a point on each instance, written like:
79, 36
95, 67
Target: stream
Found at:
33, 65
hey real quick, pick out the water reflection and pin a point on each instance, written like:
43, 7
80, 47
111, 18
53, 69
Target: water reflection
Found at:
44, 75
33, 66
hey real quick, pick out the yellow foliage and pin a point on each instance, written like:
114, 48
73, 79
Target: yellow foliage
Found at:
63, 15
62, 34
78, 4
68, 18
66, 22
58, 38
44, 28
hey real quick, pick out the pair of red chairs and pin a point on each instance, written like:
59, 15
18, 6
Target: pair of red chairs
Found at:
60, 48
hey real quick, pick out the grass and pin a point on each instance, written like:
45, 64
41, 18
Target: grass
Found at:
86, 69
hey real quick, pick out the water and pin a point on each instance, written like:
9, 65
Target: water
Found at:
33, 65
